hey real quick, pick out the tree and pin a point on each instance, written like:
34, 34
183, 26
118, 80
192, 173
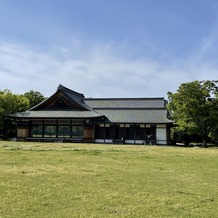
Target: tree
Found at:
10, 103
194, 108
34, 97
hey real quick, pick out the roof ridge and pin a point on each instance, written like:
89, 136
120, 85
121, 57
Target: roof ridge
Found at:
61, 87
129, 108
108, 99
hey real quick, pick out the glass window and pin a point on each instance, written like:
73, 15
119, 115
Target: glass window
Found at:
99, 131
139, 132
109, 132
148, 133
153, 131
64, 131
130, 132
77, 132
36, 131
117, 132
50, 131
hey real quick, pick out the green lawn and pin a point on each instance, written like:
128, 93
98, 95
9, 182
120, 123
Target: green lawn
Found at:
90, 180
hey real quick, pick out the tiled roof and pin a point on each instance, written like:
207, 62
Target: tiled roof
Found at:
77, 97
71, 95
125, 103
135, 116
130, 110
56, 114
116, 110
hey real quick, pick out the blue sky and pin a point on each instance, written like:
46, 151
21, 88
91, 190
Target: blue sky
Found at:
107, 48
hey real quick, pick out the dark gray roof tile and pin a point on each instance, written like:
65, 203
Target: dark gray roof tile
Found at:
136, 116
126, 103
56, 114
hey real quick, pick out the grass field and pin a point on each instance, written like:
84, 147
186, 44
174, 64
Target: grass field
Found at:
85, 180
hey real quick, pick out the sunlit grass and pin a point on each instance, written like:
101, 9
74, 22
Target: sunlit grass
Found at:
92, 180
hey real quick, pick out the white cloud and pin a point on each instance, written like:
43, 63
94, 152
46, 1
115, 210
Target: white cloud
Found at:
103, 71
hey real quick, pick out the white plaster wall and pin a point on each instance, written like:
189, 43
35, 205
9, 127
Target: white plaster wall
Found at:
109, 141
99, 140
161, 135
140, 142
129, 141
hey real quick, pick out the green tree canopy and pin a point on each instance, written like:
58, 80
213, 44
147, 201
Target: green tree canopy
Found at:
194, 107
34, 97
11, 103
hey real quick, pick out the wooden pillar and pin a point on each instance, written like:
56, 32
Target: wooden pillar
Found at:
88, 133
30, 127
71, 125
43, 128
56, 128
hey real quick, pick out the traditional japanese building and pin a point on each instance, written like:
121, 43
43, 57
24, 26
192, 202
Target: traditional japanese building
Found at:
70, 117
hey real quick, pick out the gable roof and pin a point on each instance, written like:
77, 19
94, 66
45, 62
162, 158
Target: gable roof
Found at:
63, 98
